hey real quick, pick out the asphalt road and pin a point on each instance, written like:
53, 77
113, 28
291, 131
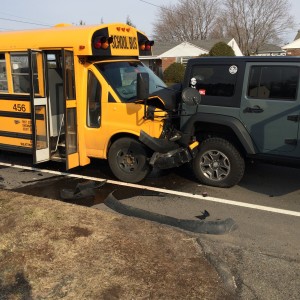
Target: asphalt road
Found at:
260, 259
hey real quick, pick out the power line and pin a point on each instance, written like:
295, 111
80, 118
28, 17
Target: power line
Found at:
158, 6
7, 14
24, 22
151, 3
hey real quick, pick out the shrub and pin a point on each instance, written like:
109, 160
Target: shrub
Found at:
221, 49
174, 73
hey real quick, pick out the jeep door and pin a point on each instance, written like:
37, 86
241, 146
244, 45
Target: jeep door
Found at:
270, 106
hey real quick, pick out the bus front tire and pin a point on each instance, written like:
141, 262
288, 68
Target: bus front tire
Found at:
127, 159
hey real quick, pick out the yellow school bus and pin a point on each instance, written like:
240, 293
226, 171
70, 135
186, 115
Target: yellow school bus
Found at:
70, 93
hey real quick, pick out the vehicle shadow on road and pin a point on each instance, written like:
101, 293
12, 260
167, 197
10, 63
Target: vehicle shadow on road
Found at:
270, 179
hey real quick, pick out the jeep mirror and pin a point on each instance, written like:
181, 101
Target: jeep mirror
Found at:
142, 86
191, 96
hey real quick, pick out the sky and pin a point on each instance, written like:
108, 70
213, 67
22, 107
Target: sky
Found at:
17, 14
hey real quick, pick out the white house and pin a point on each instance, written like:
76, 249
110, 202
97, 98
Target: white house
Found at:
293, 48
166, 53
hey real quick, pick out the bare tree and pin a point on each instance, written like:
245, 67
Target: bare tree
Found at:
254, 23
187, 20
128, 22
81, 23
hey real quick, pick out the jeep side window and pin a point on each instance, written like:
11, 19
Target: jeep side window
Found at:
273, 82
214, 80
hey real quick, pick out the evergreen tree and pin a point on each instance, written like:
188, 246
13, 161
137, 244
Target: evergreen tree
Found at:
221, 49
174, 73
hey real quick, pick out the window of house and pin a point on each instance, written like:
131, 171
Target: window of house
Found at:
93, 101
3, 75
273, 82
214, 80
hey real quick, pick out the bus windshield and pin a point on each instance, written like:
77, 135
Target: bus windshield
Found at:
122, 76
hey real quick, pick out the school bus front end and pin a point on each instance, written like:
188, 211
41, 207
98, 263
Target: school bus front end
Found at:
71, 93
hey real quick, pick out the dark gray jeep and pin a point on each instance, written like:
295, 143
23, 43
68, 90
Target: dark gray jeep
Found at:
250, 108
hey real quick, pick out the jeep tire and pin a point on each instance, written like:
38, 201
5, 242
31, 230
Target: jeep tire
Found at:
218, 163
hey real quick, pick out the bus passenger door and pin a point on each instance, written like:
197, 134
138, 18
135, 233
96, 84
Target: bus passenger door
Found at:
70, 110
39, 107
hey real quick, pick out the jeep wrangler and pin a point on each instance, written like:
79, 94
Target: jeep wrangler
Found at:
250, 108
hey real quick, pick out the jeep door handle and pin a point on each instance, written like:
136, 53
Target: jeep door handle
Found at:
254, 109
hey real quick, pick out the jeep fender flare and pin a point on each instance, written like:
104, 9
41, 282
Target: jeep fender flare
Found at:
237, 127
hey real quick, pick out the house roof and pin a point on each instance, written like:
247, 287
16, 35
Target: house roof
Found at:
208, 44
293, 45
297, 36
162, 47
267, 48
184, 49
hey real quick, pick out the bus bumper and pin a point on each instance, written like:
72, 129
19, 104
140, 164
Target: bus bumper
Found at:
168, 154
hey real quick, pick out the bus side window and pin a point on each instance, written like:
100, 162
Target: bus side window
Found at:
20, 73
70, 76
3, 77
93, 101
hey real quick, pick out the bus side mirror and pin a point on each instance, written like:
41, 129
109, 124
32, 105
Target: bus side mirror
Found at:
142, 86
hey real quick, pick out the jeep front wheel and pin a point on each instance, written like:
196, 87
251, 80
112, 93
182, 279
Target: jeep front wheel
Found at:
218, 163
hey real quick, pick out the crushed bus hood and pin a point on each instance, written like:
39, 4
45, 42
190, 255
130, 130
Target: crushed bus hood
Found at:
169, 96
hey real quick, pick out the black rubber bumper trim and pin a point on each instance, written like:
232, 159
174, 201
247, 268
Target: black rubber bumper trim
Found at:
208, 227
157, 145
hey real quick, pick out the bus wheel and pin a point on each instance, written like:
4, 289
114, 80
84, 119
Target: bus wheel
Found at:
127, 159
218, 163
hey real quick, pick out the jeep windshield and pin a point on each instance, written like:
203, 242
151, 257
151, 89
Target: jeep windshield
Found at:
122, 77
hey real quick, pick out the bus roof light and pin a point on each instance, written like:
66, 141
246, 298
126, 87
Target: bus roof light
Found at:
145, 45
148, 45
102, 42
142, 46
97, 44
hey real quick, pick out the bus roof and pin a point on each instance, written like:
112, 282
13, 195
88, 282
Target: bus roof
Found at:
116, 39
